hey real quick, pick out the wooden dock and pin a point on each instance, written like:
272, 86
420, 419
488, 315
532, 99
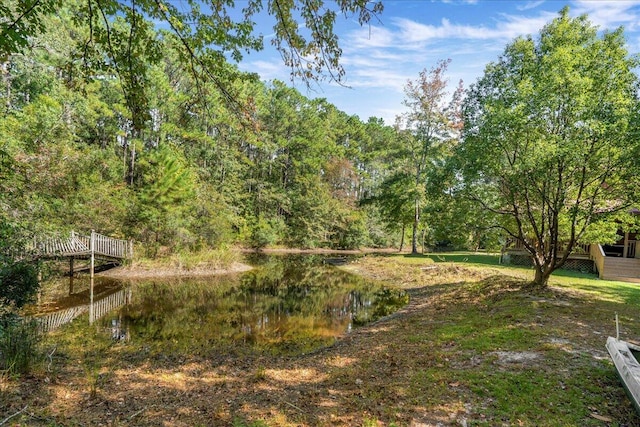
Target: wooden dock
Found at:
94, 246
79, 246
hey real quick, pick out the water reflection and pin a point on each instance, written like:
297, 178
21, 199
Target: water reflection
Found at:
59, 309
286, 305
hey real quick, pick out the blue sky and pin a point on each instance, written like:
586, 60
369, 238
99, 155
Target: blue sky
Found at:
413, 35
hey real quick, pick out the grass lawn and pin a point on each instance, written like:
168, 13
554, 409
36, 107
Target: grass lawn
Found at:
474, 347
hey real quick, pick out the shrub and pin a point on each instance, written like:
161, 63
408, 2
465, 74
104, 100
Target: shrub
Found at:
18, 283
266, 232
19, 344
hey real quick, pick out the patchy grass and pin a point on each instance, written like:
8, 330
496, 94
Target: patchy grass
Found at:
467, 258
208, 258
473, 347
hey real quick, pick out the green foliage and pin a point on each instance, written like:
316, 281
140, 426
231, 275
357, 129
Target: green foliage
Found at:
166, 190
103, 132
119, 40
549, 138
19, 19
18, 283
19, 344
266, 232
18, 277
349, 229
426, 133
239, 422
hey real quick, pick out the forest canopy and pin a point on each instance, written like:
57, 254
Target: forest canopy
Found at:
111, 124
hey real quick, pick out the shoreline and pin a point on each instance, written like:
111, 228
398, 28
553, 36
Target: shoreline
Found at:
139, 272
143, 272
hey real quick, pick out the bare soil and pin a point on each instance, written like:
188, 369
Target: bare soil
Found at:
138, 272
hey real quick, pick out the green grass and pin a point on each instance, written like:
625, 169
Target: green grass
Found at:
606, 289
472, 258
190, 260
456, 257
569, 380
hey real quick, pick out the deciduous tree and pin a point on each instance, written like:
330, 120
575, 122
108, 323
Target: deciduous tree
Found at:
431, 122
548, 143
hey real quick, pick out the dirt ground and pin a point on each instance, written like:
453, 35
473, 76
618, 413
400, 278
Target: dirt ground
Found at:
124, 272
368, 378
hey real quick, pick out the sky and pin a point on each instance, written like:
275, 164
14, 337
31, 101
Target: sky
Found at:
413, 35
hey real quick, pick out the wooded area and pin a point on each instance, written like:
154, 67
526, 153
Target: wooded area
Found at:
113, 124
181, 161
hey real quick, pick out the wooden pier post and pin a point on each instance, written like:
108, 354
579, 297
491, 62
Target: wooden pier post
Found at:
625, 249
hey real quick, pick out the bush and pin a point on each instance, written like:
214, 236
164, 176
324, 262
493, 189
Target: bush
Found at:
266, 232
18, 283
19, 344
350, 232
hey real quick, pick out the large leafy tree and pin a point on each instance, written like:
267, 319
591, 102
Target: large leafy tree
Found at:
548, 143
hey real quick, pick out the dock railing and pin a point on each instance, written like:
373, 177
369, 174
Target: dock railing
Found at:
80, 245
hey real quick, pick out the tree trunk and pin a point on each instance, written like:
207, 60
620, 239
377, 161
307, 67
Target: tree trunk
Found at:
133, 163
402, 238
541, 278
414, 235
6, 77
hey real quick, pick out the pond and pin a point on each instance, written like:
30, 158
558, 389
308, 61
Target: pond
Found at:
285, 305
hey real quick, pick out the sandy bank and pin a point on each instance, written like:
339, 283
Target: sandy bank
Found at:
141, 272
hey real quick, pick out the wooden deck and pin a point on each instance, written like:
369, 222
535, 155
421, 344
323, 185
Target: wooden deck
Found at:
78, 245
517, 247
615, 268
95, 246
607, 265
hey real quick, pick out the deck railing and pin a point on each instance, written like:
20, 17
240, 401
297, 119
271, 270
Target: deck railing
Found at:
54, 320
113, 301
578, 248
599, 258
78, 245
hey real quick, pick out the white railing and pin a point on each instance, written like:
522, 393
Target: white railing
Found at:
113, 301
78, 245
109, 246
52, 321
578, 248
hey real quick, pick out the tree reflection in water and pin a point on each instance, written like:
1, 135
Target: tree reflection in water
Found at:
286, 305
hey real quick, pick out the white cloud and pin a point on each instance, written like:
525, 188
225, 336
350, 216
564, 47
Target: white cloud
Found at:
530, 5
268, 70
379, 59
460, 1
609, 14
390, 79
409, 34
368, 37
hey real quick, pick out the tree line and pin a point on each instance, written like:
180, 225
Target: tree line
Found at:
113, 124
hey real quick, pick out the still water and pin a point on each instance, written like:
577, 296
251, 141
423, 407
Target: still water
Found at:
285, 305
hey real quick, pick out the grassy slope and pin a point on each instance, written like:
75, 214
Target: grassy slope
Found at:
472, 348
522, 357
